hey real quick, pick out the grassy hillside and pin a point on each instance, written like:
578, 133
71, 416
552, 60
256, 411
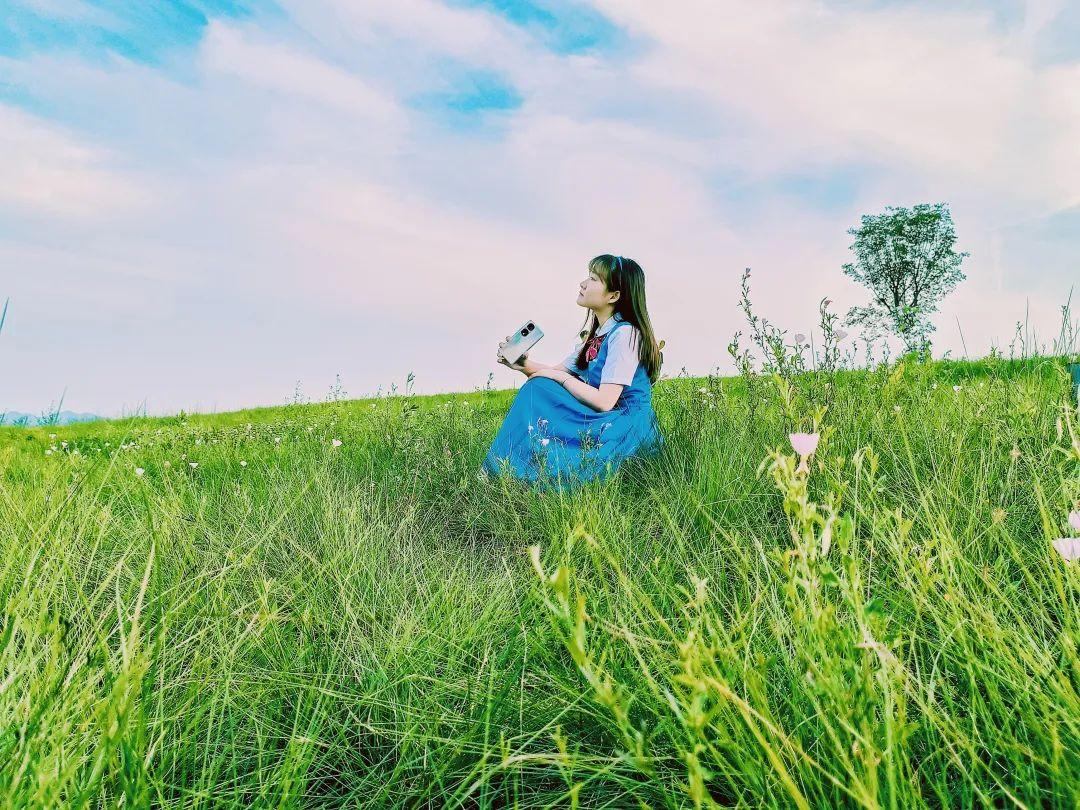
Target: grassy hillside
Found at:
262, 617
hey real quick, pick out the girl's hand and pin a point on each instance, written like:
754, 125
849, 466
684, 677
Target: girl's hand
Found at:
556, 374
518, 366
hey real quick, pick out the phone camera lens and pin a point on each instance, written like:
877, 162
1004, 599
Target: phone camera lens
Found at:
524, 332
530, 327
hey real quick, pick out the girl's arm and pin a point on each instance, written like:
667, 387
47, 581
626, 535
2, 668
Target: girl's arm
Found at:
603, 398
530, 366
600, 399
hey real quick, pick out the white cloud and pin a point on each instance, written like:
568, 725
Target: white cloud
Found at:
922, 90
46, 171
230, 50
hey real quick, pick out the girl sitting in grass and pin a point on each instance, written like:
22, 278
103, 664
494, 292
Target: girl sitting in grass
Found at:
579, 420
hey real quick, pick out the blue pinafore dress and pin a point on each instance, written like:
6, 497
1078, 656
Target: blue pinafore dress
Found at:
551, 438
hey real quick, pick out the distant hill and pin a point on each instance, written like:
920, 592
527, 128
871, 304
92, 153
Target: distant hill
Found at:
32, 420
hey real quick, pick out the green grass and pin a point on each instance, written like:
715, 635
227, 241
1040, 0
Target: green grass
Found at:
364, 626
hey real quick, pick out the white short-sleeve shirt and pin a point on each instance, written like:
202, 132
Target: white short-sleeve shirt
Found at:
622, 360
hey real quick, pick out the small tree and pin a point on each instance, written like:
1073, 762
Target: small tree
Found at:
906, 258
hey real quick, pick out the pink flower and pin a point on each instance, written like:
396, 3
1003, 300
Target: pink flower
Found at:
804, 443
1074, 520
799, 337
1068, 548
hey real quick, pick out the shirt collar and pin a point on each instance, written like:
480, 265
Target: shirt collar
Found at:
608, 324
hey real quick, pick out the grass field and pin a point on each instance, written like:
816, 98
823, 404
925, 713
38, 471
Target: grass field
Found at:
231, 610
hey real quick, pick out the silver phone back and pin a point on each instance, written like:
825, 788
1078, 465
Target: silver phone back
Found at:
520, 343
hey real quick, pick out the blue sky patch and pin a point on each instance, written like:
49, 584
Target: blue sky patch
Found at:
467, 95
564, 26
143, 31
829, 190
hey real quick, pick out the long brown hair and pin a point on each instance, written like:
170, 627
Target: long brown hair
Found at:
626, 277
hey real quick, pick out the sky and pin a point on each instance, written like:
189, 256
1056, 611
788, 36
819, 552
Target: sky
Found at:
205, 205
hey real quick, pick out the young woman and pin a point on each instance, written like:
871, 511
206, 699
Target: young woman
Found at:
579, 420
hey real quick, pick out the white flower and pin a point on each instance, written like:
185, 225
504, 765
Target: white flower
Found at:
956, 388
277, 440
48, 452
63, 444
530, 428
52, 435
544, 441
933, 386
1074, 520
166, 465
336, 442
193, 464
1068, 547
139, 471
896, 408
243, 463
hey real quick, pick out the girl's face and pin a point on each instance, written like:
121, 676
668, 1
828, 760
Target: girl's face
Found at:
593, 293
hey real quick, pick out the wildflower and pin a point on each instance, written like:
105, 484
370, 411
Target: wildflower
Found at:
166, 465
840, 334
530, 428
52, 435
1015, 453
277, 440
541, 423
243, 463
544, 442
896, 408
956, 388
336, 442
998, 515
933, 386
804, 444
193, 464
139, 471
1068, 548
703, 390
48, 452
64, 445
1074, 520
799, 337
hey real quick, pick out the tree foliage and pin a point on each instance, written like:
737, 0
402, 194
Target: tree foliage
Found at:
906, 258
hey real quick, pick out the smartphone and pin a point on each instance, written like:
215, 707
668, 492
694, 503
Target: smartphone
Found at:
521, 341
